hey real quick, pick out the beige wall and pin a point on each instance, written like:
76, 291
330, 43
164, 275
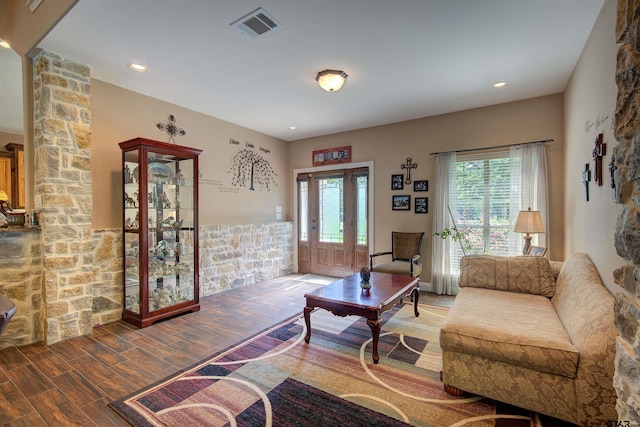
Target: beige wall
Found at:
23, 29
590, 98
118, 115
389, 146
6, 138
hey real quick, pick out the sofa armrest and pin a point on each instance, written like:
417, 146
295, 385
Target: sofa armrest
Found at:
556, 266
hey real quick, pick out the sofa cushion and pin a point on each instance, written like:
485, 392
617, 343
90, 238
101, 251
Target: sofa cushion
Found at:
519, 329
523, 274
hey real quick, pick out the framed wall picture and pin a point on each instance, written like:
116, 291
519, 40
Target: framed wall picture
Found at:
397, 182
401, 203
421, 185
537, 251
421, 205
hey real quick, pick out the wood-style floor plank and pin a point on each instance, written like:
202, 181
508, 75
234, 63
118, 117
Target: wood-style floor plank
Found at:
32, 419
13, 404
30, 380
49, 363
70, 383
57, 410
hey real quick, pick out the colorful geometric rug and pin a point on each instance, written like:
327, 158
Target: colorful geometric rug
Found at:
274, 378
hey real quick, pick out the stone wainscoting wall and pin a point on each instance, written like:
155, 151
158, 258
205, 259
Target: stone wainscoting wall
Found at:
108, 282
21, 282
234, 255
626, 166
231, 255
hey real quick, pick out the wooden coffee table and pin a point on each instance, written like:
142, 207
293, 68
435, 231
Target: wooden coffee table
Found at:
345, 297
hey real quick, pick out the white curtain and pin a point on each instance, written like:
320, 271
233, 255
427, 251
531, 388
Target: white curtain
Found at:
528, 184
441, 276
529, 168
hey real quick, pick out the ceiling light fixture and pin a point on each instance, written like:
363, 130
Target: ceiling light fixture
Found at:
331, 80
138, 67
499, 85
5, 44
292, 128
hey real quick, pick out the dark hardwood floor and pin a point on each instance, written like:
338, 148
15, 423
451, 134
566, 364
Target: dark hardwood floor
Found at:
71, 382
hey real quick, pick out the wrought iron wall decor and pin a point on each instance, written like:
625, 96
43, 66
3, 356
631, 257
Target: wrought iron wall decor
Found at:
171, 128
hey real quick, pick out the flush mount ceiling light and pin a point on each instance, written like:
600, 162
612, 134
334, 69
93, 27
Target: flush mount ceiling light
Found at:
331, 80
138, 67
4, 44
499, 85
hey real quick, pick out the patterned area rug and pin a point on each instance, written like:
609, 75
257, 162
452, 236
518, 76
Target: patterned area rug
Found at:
274, 378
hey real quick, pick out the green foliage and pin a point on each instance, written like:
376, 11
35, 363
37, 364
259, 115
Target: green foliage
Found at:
460, 236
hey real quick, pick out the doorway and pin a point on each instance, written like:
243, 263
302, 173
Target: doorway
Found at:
333, 214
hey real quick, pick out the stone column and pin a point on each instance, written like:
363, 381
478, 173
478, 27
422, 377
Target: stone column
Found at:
62, 142
626, 171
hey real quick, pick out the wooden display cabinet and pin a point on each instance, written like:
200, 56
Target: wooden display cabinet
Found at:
160, 221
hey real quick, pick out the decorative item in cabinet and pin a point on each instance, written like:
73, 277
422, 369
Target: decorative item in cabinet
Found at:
160, 221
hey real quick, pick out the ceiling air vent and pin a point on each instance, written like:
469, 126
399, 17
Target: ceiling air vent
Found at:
257, 23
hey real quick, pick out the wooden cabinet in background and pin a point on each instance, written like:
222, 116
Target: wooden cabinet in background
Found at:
12, 174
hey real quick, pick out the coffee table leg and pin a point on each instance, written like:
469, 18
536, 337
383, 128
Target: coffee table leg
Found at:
307, 321
416, 294
375, 331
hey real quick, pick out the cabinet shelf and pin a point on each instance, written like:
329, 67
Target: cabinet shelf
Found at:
160, 222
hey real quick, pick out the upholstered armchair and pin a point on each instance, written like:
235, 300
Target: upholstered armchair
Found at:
405, 255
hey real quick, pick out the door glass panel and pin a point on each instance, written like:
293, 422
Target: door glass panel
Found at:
331, 210
361, 223
303, 187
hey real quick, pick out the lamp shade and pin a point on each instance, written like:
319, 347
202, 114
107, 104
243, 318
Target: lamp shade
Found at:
529, 222
331, 80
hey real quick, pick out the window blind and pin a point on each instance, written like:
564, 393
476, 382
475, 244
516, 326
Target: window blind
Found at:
481, 192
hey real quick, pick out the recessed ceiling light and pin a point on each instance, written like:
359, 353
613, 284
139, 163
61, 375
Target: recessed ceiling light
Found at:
293, 127
5, 44
499, 85
138, 67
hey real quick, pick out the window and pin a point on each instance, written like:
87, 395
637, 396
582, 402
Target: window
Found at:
331, 212
303, 227
362, 188
481, 194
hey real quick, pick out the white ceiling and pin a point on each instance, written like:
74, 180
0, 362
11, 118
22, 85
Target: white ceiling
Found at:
405, 59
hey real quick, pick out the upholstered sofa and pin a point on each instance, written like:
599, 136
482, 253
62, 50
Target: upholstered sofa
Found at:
535, 334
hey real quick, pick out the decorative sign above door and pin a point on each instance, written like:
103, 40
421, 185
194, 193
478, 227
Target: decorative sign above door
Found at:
330, 156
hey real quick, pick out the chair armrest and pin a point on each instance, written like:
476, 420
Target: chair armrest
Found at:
415, 258
379, 253
375, 255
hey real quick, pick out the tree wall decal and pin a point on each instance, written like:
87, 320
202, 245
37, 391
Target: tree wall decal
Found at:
250, 168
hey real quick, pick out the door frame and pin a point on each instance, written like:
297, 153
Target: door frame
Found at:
338, 166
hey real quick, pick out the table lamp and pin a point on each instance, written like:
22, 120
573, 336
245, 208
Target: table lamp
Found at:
528, 222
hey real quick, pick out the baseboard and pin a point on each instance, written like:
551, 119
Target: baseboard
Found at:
427, 287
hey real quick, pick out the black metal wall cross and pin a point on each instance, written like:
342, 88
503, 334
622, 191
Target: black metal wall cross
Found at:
586, 177
408, 166
599, 151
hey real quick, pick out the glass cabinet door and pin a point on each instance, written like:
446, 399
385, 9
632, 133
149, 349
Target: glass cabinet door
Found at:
130, 180
171, 230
